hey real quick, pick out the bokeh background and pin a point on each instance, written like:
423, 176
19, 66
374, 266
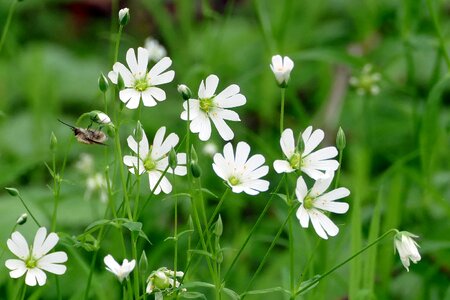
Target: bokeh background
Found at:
396, 163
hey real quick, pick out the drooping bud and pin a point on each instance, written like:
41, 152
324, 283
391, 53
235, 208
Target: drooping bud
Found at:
218, 228
53, 142
12, 191
184, 91
124, 16
340, 139
103, 84
173, 161
22, 219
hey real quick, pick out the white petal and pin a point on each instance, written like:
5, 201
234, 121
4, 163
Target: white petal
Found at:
127, 77
147, 99
303, 216
257, 173
133, 103
258, 185
224, 130
277, 62
160, 67
18, 245
313, 141
16, 264
201, 90
313, 173
163, 78
288, 64
282, 166
242, 152
254, 162
42, 245
170, 142
328, 225
54, 258
335, 194
202, 126
142, 60
322, 184
331, 206
322, 154
211, 83
301, 189
34, 276
228, 152
157, 93
227, 114
221, 166
131, 61
316, 221
133, 163
287, 142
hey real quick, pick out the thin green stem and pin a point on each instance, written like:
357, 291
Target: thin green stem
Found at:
56, 191
122, 174
338, 175
346, 261
291, 258
23, 291
29, 211
58, 288
116, 48
261, 216
283, 93
136, 270
263, 261
11, 10
439, 33
175, 234
217, 209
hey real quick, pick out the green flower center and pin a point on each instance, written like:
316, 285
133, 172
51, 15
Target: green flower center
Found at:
31, 262
149, 163
141, 84
308, 202
206, 104
296, 161
366, 81
234, 180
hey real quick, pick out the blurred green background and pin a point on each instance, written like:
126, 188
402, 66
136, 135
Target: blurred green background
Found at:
396, 164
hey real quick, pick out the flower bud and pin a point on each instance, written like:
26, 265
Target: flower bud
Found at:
218, 228
124, 16
22, 219
301, 143
173, 161
340, 139
99, 117
143, 263
184, 91
103, 84
196, 170
138, 132
12, 191
53, 142
281, 68
194, 157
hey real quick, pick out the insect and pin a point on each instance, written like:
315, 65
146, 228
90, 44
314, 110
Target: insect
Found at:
87, 135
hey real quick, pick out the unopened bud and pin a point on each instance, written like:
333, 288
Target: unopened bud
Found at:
124, 16
173, 161
218, 228
103, 83
143, 263
12, 191
196, 170
22, 219
300, 143
138, 132
53, 142
99, 117
194, 157
184, 91
340, 139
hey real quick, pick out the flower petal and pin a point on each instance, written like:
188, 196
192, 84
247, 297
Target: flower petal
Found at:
312, 141
160, 67
18, 245
287, 142
42, 247
224, 130
282, 166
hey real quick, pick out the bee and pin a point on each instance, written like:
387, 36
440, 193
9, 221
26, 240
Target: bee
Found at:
87, 135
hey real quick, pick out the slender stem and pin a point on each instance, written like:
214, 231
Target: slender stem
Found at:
122, 174
217, 209
116, 48
283, 92
338, 175
56, 190
29, 211
439, 33
58, 288
23, 291
346, 261
263, 261
8, 23
175, 234
263, 213
291, 258
136, 270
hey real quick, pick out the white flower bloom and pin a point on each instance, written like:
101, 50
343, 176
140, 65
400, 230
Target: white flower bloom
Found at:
366, 82
241, 172
315, 202
140, 84
281, 68
121, 271
155, 50
309, 162
407, 248
162, 280
210, 106
154, 159
97, 182
34, 260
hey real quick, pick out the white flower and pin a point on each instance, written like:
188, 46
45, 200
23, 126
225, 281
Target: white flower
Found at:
85, 164
97, 182
366, 82
154, 159
155, 50
215, 107
281, 68
140, 84
309, 162
34, 260
162, 280
315, 201
407, 248
241, 172
121, 271
124, 16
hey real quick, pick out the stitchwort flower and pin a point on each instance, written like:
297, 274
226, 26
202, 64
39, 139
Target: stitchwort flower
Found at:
155, 50
34, 260
241, 172
309, 162
162, 281
154, 159
210, 106
281, 68
407, 248
314, 202
140, 83
367, 83
121, 271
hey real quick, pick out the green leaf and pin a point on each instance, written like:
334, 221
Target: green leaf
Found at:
232, 294
308, 285
206, 191
136, 227
268, 291
192, 295
202, 252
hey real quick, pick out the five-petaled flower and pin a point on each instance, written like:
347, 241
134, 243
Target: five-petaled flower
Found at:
140, 83
163, 280
407, 248
154, 159
121, 271
281, 68
241, 172
316, 201
210, 106
309, 162
34, 260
